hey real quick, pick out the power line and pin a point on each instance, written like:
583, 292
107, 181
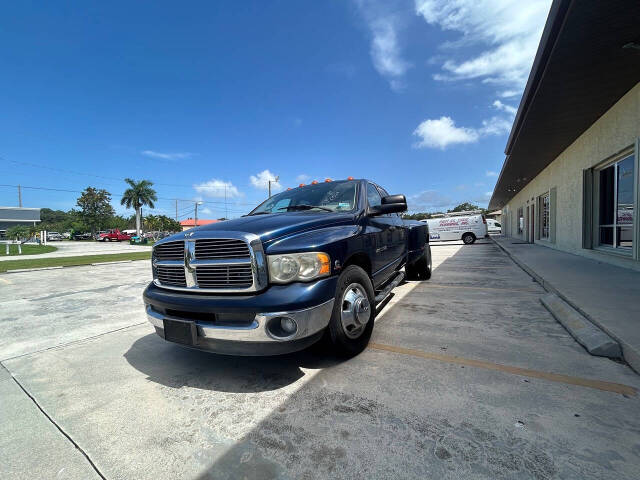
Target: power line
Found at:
115, 194
46, 167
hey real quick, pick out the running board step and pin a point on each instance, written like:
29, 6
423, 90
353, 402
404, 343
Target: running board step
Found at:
384, 293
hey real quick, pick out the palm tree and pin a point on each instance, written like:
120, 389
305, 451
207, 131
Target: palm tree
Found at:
139, 194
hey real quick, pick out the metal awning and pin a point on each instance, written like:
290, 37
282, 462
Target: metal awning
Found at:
588, 58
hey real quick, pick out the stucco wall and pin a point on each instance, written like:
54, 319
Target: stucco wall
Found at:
616, 130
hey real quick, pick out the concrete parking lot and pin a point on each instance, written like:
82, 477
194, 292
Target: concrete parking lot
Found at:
467, 376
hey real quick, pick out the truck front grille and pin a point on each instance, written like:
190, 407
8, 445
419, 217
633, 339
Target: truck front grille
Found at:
224, 276
170, 251
221, 248
171, 275
210, 264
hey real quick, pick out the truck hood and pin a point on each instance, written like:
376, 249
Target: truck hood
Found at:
275, 225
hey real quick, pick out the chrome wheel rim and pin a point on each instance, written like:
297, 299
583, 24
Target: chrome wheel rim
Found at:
355, 310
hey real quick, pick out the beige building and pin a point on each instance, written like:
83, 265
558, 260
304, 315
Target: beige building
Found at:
570, 180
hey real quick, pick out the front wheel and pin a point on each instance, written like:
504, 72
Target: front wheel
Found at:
353, 313
468, 238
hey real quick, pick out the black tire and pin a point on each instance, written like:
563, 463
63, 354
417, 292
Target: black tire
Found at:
342, 341
468, 238
421, 268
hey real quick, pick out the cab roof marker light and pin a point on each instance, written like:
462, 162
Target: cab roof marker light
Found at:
327, 180
301, 185
349, 178
315, 182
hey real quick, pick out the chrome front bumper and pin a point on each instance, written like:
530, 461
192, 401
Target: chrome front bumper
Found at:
209, 335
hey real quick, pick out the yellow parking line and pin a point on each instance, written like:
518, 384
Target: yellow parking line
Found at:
554, 377
439, 285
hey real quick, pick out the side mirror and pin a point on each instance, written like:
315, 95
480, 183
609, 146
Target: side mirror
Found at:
390, 204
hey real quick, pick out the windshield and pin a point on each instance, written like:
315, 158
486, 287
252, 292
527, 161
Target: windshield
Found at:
329, 196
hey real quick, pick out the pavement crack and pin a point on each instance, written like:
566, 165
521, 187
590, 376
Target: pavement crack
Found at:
55, 424
61, 345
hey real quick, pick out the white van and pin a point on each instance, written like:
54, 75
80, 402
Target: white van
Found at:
494, 226
464, 226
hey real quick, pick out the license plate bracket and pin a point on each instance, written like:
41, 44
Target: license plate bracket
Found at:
180, 331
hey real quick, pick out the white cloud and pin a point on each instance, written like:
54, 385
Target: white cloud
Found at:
505, 108
442, 132
167, 156
385, 47
428, 200
206, 211
217, 188
491, 173
303, 177
261, 181
501, 36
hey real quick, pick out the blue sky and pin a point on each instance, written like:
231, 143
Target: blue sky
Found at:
213, 98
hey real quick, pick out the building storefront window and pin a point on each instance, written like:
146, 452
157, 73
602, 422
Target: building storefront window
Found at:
545, 218
520, 220
616, 204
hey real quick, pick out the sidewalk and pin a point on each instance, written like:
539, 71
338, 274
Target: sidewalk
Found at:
607, 295
74, 249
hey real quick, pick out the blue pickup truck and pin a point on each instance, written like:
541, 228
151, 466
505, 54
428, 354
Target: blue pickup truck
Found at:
308, 263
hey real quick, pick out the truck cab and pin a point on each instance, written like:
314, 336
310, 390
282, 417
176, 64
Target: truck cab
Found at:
307, 263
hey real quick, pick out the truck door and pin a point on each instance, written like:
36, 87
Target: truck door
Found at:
380, 230
398, 234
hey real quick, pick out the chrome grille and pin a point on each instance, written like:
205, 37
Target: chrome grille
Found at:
233, 262
171, 275
169, 251
224, 276
221, 248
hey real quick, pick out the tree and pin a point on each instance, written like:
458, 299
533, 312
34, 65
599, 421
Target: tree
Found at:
464, 207
22, 232
136, 196
95, 205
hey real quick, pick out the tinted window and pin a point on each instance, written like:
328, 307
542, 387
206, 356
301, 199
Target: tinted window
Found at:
373, 196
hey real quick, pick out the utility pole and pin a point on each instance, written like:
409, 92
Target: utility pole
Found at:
195, 223
275, 180
226, 211
176, 209
19, 196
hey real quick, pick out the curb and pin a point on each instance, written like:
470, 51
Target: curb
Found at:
586, 333
629, 356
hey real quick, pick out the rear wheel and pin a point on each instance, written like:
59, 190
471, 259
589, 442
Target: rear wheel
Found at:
468, 238
421, 268
353, 313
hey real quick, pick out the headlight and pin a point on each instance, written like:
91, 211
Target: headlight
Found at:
298, 267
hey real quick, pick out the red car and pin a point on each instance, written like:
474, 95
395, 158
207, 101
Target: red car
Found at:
113, 235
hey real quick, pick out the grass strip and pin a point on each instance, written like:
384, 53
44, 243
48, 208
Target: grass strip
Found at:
71, 261
26, 249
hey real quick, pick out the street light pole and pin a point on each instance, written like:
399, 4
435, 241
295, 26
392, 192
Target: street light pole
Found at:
275, 180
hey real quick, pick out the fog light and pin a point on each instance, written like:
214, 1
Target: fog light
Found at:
288, 325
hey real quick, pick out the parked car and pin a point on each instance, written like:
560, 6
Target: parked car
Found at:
309, 262
493, 226
54, 237
113, 235
464, 226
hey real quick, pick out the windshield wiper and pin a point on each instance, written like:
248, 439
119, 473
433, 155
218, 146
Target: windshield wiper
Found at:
304, 207
257, 213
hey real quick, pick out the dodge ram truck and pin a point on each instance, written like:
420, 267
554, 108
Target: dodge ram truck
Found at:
308, 263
